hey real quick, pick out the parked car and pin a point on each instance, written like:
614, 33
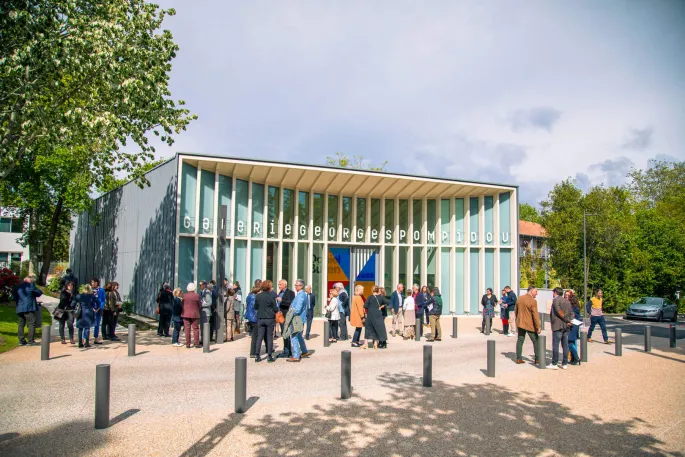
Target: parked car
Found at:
654, 308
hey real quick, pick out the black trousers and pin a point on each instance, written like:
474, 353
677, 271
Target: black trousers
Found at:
107, 324
254, 330
115, 321
357, 334
343, 326
333, 329
266, 334
164, 323
68, 320
310, 318
29, 317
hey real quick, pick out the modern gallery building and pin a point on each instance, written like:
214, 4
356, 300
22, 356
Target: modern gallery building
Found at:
205, 217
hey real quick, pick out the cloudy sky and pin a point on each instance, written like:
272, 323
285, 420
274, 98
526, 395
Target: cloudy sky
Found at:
525, 92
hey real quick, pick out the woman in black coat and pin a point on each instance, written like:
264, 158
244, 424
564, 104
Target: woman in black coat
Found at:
165, 300
66, 297
375, 325
266, 307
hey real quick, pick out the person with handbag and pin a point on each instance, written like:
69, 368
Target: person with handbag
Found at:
357, 315
375, 325
87, 307
488, 302
284, 298
64, 313
266, 307
333, 316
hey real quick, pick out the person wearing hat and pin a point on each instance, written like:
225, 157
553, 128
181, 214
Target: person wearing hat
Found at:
527, 323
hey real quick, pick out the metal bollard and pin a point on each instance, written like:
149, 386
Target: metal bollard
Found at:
648, 338
102, 396
427, 366
345, 375
45, 343
542, 351
672, 335
240, 385
583, 346
455, 327
542, 320
131, 340
417, 331
488, 325
618, 341
326, 333
205, 337
491, 358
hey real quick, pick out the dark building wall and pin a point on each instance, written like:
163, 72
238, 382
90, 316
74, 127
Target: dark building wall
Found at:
129, 237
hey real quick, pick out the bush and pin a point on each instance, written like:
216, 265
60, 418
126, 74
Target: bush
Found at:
8, 280
128, 306
54, 285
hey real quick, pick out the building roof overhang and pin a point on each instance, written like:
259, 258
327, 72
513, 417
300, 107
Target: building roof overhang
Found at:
342, 181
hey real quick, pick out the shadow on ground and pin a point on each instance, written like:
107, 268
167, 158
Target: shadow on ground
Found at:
473, 419
75, 438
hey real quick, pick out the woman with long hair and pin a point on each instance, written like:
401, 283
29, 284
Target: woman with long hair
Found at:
375, 326
88, 306
266, 307
488, 301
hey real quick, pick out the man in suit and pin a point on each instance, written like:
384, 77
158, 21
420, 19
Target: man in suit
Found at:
397, 301
284, 298
345, 313
311, 304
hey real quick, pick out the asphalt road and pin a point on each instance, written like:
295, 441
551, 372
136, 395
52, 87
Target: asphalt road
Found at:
637, 327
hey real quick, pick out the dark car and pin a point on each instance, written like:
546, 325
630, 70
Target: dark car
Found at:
654, 308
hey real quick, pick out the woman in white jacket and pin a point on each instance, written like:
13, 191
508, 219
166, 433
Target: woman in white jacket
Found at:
409, 307
333, 315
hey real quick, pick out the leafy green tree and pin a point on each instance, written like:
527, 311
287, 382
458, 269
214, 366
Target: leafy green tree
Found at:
529, 213
358, 162
85, 72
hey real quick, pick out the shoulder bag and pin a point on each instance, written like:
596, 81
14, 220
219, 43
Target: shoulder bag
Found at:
280, 318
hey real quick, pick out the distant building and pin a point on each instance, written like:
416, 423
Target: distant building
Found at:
11, 227
533, 242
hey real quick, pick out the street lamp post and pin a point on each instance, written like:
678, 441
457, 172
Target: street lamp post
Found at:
585, 214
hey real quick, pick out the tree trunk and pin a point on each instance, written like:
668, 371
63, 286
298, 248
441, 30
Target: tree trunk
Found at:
47, 251
33, 243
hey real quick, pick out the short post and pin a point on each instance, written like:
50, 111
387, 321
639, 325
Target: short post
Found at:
131, 340
672, 335
240, 385
45, 343
427, 365
345, 375
618, 341
488, 325
418, 329
583, 346
455, 327
205, 337
491, 358
326, 333
542, 351
102, 396
648, 338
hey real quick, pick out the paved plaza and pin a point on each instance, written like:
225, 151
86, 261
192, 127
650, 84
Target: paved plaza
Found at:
170, 401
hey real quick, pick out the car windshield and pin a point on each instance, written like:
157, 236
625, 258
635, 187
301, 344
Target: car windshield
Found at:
648, 301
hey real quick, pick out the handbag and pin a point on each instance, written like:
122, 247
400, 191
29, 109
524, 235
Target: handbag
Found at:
329, 314
58, 313
280, 318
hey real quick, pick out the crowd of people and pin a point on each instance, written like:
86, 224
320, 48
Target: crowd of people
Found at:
270, 314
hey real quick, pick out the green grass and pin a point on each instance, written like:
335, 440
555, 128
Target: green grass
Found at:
8, 326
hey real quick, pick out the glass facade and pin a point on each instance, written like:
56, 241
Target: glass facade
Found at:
460, 243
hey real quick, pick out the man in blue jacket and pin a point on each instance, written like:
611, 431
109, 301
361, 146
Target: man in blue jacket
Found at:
99, 293
510, 300
299, 306
25, 296
397, 302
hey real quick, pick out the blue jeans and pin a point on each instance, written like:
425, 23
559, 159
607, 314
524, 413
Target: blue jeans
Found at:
295, 345
594, 320
573, 347
303, 345
177, 331
98, 323
560, 336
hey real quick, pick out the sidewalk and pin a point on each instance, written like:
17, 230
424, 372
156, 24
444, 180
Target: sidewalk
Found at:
173, 401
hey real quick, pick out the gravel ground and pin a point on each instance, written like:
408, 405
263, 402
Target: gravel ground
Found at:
170, 401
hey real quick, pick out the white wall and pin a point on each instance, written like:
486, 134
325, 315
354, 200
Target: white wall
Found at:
8, 243
544, 299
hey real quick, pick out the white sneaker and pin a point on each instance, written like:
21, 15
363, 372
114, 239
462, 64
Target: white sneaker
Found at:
510, 334
564, 367
552, 367
178, 345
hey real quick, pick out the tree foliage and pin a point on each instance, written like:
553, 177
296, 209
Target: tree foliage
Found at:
357, 162
529, 213
79, 79
635, 235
